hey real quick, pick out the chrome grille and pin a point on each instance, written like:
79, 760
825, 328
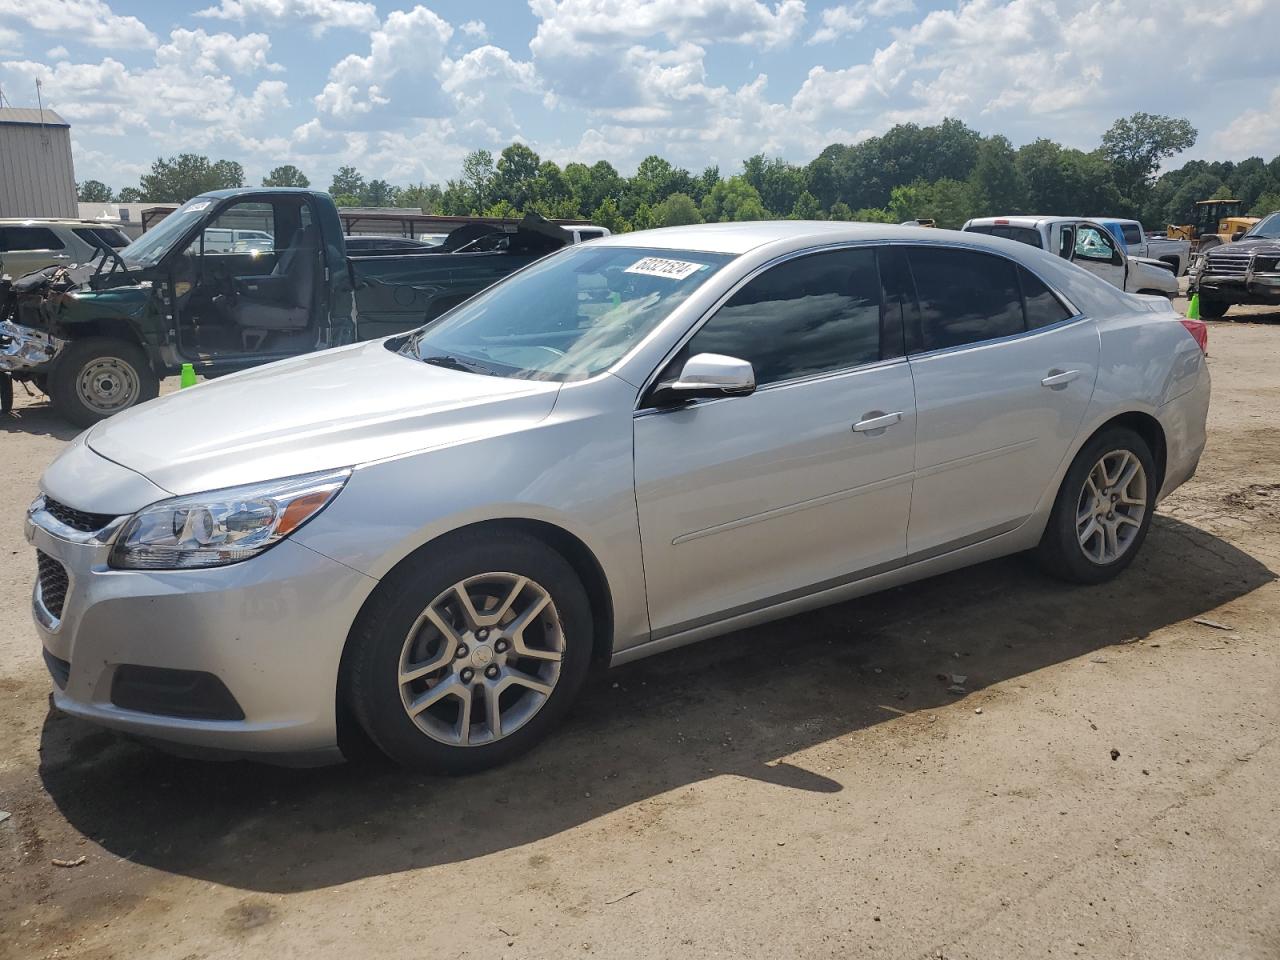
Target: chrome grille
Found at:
53, 583
80, 520
1226, 264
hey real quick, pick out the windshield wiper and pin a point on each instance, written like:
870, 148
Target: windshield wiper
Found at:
457, 363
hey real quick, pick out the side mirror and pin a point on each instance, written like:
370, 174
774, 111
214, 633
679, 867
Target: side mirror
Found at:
710, 375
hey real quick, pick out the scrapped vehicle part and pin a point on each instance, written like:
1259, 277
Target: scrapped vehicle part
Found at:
1244, 272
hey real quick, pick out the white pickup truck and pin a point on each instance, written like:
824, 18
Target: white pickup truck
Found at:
1087, 244
1139, 243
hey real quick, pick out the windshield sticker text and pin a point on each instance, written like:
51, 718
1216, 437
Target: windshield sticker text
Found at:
660, 267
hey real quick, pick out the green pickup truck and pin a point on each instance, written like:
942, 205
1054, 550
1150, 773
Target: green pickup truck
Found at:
233, 279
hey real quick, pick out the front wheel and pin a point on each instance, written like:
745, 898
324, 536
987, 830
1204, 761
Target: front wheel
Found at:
1213, 309
1103, 509
95, 378
481, 672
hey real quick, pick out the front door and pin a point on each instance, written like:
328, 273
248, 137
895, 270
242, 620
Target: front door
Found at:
1095, 250
1003, 375
749, 501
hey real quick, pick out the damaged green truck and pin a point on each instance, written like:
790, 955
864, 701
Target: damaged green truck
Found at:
230, 280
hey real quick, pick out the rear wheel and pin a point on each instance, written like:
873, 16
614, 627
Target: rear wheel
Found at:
1213, 309
97, 377
1103, 510
467, 656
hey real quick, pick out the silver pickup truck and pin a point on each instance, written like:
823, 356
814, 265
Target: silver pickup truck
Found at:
1087, 244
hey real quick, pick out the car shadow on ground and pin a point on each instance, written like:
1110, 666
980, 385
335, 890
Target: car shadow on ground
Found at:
736, 705
34, 416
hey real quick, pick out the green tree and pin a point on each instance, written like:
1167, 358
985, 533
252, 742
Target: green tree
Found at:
379, 193
517, 175
178, 179
550, 191
1064, 181
995, 182
840, 211
426, 197
503, 208
286, 176
872, 215
456, 199
1266, 204
705, 182
643, 218
346, 200
608, 215
479, 176
806, 208
130, 195
779, 183
1137, 145
652, 182
675, 211
94, 191
949, 202
347, 182
733, 200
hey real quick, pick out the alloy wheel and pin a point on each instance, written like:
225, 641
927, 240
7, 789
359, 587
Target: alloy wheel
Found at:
1112, 506
481, 659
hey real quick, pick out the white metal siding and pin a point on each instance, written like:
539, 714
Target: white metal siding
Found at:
36, 176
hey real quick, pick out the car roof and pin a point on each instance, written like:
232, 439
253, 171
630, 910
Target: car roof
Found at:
738, 238
45, 221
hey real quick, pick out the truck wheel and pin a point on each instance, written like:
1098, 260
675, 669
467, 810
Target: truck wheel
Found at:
97, 377
1213, 309
6, 393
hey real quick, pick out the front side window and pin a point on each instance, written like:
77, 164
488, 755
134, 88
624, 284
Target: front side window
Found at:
569, 316
1094, 244
811, 315
14, 239
964, 297
241, 228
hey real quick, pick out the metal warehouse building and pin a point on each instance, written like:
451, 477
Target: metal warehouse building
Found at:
36, 177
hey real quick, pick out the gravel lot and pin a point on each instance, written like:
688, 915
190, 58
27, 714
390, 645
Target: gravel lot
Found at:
805, 789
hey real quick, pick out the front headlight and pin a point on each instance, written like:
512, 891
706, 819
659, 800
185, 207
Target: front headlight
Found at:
223, 526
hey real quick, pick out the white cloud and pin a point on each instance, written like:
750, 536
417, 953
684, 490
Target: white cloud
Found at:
90, 22
475, 29
57, 53
196, 50
399, 77
321, 15
10, 41
838, 22
1254, 131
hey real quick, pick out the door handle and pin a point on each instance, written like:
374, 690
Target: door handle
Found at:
1059, 378
875, 420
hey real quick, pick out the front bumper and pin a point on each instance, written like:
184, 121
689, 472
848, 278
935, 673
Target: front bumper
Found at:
270, 630
1250, 288
26, 349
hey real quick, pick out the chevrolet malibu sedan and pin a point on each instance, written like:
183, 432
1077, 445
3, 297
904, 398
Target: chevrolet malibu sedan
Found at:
627, 446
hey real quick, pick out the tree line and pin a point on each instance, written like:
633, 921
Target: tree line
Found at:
947, 172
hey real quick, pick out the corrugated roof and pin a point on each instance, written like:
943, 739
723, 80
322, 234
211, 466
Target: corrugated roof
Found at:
31, 115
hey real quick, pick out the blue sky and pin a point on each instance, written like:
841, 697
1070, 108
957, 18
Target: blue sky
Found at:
403, 91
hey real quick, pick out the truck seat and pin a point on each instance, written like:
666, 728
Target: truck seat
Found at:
282, 300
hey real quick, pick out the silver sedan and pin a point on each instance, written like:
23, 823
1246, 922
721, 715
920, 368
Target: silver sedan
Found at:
627, 446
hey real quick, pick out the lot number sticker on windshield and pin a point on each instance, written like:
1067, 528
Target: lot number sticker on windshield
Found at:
660, 267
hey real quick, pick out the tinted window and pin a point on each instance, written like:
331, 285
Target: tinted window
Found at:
809, 315
1132, 233
964, 297
1022, 234
14, 239
101, 236
585, 235
1043, 308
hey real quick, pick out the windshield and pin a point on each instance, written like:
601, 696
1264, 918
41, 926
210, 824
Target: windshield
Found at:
150, 248
1268, 228
567, 317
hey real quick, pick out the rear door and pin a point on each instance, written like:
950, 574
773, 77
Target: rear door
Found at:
748, 501
24, 249
1003, 374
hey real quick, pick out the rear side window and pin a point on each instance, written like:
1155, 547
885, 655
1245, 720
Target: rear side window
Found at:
964, 297
1132, 233
101, 236
14, 239
1022, 234
1043, 308
811, 315
585, 235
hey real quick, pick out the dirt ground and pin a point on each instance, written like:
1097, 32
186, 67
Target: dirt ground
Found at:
805, 789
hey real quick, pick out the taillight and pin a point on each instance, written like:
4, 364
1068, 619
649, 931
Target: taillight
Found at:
1200, 331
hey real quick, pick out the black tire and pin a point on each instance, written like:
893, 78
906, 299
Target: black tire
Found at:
1213, 309
1060, 552
371, 668
79, 357
6, 393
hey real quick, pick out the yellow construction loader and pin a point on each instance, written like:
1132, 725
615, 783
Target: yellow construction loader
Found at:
1213, 222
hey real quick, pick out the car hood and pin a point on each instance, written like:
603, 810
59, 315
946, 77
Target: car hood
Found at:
326, 410
1261, 246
